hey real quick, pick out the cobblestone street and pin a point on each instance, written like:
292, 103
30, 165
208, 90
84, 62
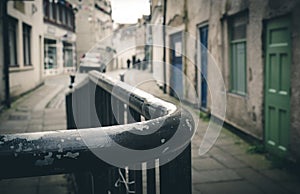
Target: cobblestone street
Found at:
227, 168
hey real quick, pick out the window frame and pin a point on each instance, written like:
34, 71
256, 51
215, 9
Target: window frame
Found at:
234, 76
27, 30
58, 13
68, 47
50, 45
61, 15
14, 29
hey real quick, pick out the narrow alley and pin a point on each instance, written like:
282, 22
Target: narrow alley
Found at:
229, 167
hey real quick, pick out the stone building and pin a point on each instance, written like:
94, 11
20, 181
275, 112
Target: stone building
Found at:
59, 37
2, 63
157, 41
24, 46
132, 41
124, 42
254, 45
143, 40
93, 25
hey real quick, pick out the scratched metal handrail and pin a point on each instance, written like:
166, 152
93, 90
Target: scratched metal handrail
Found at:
65, 151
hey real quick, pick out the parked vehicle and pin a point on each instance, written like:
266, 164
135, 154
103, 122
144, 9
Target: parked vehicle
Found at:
92, 61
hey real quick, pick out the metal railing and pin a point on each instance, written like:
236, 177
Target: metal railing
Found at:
102, 115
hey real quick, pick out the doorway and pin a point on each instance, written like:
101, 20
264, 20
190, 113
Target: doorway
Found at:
203, 33
176, 84
277, 85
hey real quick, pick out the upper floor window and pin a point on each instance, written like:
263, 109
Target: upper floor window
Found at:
12, 41
63, 16
52, 11
27, 44
59, 13
46, 8
238, 52
19, 5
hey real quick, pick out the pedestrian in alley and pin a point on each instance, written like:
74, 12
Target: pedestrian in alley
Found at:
138, 64
128, 63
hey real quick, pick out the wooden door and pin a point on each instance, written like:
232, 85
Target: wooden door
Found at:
277, 85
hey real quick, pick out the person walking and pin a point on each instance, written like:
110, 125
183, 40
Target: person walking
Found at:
128, 63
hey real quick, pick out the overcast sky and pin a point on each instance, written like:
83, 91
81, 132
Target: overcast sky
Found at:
128, 11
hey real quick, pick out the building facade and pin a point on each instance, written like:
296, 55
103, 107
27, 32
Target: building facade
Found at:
93, 25
143, 40
59, 37
124, 42
254, 46
157, 41
2, 63
25, 44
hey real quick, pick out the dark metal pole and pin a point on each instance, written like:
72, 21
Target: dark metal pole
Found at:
6, 52
165, 49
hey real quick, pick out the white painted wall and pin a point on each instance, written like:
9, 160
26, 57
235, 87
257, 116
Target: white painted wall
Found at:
24, 78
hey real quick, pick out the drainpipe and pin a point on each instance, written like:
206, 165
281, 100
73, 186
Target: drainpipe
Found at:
164, 42
185, 59
6, 53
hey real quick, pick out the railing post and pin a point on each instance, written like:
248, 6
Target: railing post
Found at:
100, 181
120, 111
69, 112
100, 105
94, 104
84, 181
151, 179
81, 106
135, 175
176, 176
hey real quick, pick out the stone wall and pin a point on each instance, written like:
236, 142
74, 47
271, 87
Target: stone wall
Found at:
243, 112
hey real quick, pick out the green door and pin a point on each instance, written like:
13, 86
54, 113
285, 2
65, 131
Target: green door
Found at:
277, 83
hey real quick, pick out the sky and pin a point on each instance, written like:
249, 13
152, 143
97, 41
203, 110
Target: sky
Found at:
128, 11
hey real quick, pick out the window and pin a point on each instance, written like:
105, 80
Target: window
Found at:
27, 44
68, 55
50, 61
63, 14
19, 5
12, 39
238, 52
69, 18
46, 8
51, 11
58, 13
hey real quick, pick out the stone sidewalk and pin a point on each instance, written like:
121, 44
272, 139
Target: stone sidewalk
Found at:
40, 110
229, 167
